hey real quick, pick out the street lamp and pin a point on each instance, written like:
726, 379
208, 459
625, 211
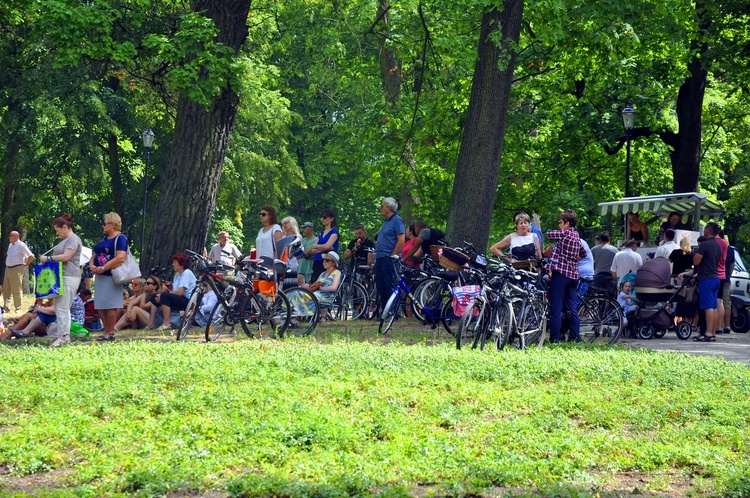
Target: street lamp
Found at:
148, 141
628, 121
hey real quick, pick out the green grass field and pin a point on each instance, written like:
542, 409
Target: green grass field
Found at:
346, 413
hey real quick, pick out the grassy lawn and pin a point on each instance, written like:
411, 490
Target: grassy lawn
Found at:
348, 413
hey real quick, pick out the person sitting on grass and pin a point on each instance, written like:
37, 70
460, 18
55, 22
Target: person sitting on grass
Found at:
42, 317
327, 284
90, 315
183, 283
138, 312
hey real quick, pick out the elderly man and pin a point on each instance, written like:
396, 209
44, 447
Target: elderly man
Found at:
390, 241
18, 259
224, 252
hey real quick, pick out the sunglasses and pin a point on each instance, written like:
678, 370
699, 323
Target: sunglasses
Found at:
149, 283
264, 214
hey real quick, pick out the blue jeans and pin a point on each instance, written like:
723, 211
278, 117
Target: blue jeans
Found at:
385, 277
563, 292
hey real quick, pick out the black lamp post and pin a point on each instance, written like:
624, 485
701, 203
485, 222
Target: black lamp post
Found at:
628, 121
148, 141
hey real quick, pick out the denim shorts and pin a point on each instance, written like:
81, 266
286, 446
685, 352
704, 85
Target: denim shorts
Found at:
707, 292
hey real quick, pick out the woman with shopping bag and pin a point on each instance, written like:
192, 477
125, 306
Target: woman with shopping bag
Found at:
68, 252
109, 253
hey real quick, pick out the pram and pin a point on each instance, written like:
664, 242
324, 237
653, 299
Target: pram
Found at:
657, 294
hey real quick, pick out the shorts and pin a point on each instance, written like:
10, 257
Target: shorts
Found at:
707, 292
47, 319
726, 294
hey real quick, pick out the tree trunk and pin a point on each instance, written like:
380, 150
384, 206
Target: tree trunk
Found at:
686, 155
188, 193
116, 176
389, 70
478, 167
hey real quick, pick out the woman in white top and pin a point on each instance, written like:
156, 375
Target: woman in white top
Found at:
265, 243
523, 243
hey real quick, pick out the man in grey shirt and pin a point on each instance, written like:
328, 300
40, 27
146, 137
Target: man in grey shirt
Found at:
603, 254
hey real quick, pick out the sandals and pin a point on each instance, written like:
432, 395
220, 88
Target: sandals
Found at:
705, 338
105, 338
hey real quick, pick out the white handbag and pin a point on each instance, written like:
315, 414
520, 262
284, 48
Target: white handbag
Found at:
128, 270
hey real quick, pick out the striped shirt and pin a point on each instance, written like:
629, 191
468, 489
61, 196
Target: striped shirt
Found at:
567, 251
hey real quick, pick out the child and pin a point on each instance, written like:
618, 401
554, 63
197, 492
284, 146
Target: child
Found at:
625, 300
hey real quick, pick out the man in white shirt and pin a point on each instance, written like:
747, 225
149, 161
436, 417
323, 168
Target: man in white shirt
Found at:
626, 261
17, 261
669, 245
224, 252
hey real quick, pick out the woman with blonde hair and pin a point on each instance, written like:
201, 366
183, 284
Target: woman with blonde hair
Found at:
682, 258
109, 253
289, 226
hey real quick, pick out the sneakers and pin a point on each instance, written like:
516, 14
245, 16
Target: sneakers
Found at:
63, 339
727, 330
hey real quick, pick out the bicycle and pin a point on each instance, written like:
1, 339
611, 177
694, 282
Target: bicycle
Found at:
352, 298
441, 313
243, 304
600, 316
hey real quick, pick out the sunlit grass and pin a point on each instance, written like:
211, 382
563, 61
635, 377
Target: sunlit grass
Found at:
341, 416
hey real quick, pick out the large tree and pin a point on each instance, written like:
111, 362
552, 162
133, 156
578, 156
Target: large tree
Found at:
202, 129
478, 166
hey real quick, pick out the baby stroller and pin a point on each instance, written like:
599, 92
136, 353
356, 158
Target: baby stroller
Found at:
654, 288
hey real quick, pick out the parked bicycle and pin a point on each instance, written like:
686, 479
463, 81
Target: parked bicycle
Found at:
266, 313
434, 311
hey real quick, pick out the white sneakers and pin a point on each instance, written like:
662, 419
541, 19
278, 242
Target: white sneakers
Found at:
63, 339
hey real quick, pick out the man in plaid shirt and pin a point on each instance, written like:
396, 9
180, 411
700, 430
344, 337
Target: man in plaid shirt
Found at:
566, 253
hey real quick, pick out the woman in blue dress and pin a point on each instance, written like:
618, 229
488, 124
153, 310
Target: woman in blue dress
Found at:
328, 240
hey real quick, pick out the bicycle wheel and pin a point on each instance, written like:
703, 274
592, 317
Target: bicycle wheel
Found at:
266, 315
533, 323
390, 312
429, 295
512, 324
219, 320
219, 323
448, 318
304, 311
468, 331
187, 324
601, 320
502, 323
351, 302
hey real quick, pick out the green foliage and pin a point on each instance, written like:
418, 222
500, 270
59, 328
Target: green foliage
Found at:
303, 418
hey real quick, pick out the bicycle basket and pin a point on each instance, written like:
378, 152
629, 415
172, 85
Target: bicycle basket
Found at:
435, 252
452, 259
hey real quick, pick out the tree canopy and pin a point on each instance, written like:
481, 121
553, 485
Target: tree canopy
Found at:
338, 104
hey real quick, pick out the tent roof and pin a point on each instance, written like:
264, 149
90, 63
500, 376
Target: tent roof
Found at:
684, 203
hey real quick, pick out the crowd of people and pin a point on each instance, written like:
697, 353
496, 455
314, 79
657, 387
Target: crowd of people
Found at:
147, 302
